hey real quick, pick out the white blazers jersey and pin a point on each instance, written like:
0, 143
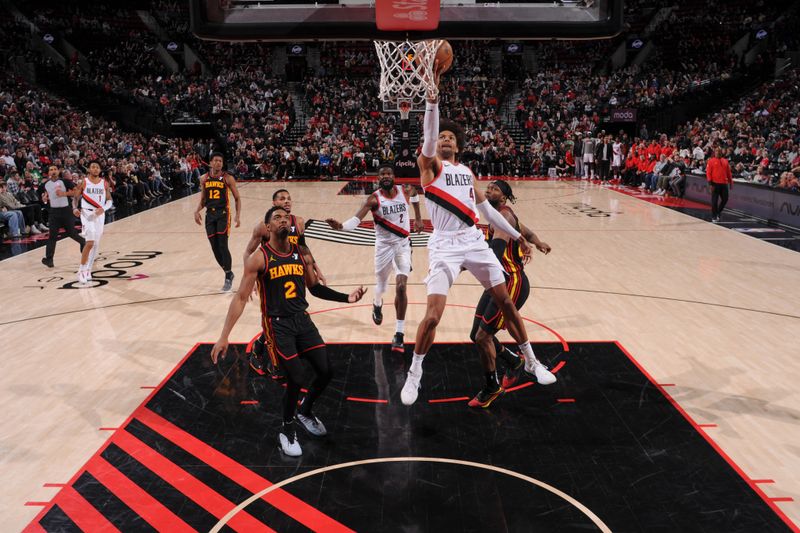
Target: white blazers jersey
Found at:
450, 198
391, 216
94, 195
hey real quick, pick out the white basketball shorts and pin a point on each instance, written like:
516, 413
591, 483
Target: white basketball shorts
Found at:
395, 254
449, 252
92, 225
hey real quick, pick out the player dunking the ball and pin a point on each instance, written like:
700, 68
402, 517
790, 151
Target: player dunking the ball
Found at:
283, 272
488, 318
263, 345
214, 189
389, 208
454, 203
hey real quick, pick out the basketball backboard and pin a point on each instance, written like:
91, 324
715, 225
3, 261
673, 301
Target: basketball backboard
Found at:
307, 20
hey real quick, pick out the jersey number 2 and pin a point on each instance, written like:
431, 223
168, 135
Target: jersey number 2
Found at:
291, 290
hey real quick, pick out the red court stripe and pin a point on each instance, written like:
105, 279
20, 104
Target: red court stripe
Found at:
443, 400
558, 367
665, 384
82, 512
366, 400
34, 527
187, 484
151, 387
566, 400
37, 504
55, 485
521, 386
132, 495
80, 471
763, 480
786, 499
711, 442
307, 515
706, 425
249, 402
107, 429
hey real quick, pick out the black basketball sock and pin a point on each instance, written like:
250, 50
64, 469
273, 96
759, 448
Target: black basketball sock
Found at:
492, 383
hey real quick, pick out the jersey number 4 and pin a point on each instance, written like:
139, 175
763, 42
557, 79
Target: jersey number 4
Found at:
291, 290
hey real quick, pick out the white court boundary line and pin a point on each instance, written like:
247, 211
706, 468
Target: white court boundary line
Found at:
585, 510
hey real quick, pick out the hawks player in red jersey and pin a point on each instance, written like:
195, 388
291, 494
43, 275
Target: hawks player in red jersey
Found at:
283, 273
488, 318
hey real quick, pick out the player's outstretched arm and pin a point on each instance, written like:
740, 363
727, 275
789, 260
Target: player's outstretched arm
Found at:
326, 293
531, 237
428, 161
352, 223
252, 267
499, 222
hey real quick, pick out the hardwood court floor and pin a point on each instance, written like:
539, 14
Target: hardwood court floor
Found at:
709, 310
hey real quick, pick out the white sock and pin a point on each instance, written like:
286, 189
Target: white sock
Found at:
401, 326
527, 352
377, 300
416, 363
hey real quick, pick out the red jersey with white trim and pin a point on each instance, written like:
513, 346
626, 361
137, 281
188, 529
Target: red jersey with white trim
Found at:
450, 198
94, 194
391, 216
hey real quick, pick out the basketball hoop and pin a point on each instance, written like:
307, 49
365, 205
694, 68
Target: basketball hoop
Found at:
407, 72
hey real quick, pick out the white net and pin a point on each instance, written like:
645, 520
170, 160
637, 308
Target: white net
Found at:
407, 72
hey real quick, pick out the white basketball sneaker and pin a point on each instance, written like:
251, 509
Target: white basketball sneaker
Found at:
312, 424
411, 388
543, 375
289, 447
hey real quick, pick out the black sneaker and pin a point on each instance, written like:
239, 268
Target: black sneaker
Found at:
228, 282
485, 398
397, 342
512, 374
47, 262
377, 314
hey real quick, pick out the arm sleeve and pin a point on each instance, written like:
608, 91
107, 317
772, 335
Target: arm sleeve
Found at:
326, 293
350, 224
108, 205
496, 219
430, 129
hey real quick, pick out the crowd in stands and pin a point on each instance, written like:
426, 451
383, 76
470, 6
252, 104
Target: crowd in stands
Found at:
332, 124
38, 130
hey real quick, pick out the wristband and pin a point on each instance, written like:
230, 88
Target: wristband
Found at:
414, 199
350, 224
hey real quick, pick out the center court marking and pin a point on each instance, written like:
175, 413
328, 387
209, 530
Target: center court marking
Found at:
585, 510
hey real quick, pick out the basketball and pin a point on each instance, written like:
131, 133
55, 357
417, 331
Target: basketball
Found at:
445, 56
